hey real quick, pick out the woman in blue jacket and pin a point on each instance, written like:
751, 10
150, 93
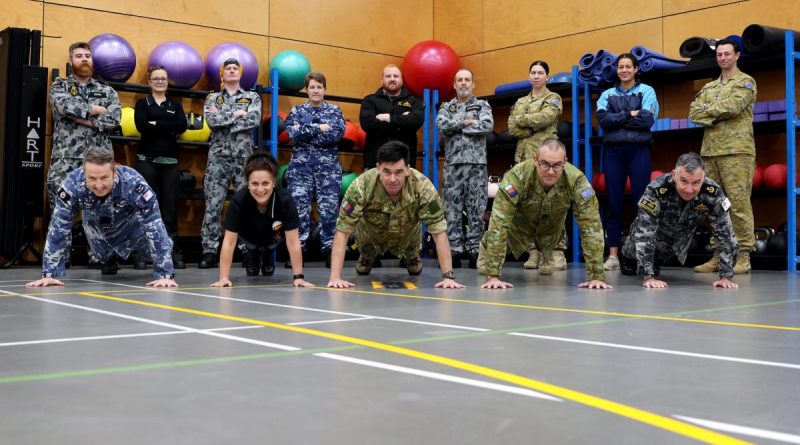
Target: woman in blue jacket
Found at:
626, 113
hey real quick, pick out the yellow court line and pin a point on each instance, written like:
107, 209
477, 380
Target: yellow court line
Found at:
581, 311
620, 409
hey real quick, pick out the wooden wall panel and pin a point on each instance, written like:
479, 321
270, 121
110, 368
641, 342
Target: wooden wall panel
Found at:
21, 14
548, 19
250, 16
679, 6
367, 25
459, 23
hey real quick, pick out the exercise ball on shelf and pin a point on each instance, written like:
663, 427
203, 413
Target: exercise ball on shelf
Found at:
350, 137
182, 62
430, 64
225, 51
197, 129
347, 179
599, 182
113, 57
292, 68
655, 173
281, 126
282, 175
362, 138
775, 176
758, 178
128, 124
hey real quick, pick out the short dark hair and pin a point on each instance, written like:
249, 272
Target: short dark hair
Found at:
81, 45
553, 144
540, 63
315, 75
731, 42
626, 56
152, 68
690, 162
98, 156
260, 160
392, 152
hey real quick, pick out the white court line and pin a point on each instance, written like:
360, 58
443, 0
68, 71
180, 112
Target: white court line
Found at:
163, 324
328, 321
743, 430
111, 337
439, 376
241, 300
663, 351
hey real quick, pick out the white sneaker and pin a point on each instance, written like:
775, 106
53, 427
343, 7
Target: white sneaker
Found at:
612, 263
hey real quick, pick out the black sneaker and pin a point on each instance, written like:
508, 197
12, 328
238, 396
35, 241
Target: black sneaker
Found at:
268, 262
327, 255
139, 263
473, 260
251, 261
209, 261
627, 266
456, 259
110, 267
94, 264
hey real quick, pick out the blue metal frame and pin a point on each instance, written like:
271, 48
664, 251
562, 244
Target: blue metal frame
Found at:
792, 190
272, 90
426, 132
576, 143
435, 143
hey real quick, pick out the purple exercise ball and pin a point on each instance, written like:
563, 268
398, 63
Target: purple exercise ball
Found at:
113, 57
223, 52
182, 62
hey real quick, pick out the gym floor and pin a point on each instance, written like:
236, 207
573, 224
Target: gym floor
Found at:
105, 360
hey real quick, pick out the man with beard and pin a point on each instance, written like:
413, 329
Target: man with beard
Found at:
391, 113
464, 121
85, 111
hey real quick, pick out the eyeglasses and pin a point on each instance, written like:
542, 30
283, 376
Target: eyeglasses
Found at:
546, 166
158, 79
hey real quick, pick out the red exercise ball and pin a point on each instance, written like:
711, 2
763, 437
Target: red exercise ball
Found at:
350, 132
628, 186
758, 178
599, 182
655, 173
362, 137
430, 64
775, 176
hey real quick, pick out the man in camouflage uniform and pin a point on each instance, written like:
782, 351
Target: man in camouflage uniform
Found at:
465, 120
725, 107
386, 207
85, 111
232, 114
120, 215
671, 208
531, 206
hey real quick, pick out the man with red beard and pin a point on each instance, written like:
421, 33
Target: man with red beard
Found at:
85, 111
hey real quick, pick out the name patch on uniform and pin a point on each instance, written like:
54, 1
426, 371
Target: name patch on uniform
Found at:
220, 100
73, 90
243, 100
98, 95
474, 108
726, 204
347, 207
63, 195
512, 192
648, 204
587, 193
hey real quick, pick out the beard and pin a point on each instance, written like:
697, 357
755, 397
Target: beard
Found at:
463, 94
83, 69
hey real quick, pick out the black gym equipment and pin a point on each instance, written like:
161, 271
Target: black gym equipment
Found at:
698, 48
764, 40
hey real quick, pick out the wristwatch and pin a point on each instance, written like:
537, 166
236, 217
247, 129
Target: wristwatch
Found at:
298, 276
449, 275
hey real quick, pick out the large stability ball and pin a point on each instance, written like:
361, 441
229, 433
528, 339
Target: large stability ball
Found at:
197, 129
775, 176
128, 124
292, 68
430, 64
113, 57
225, 51
182, 62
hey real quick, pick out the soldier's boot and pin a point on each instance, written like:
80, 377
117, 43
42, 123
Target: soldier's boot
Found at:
612, 263
533, 259
559, 260
414, 266
473, 260
627, 266
267, 262
139, 262
456, 258
251, 261
110, 267
546, 265
208, 261
711, 265
327, 255
364, 265
177, 258
742, 263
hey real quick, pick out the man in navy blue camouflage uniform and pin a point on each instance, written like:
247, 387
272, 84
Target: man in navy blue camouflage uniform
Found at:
120, 215
316, 127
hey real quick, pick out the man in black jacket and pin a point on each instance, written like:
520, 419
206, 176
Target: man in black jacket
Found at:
391, 113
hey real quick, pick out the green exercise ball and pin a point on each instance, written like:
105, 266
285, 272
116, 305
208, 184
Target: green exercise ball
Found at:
282, 176
292, 68
347, 179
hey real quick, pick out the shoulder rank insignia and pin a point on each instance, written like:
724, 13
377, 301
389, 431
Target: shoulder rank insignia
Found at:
73, 90
63, 195
661, 191
220, 100
711, 189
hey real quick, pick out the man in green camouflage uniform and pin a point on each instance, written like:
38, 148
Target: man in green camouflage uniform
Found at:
671, 208
531, 206
232, 114
725, 107
386, 207
85, 111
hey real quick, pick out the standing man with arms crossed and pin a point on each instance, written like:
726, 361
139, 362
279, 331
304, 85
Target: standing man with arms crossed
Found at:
232, 114
465, 120
725, 108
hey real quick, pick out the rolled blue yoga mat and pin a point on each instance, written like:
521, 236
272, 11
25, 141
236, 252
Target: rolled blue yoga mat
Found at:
609, 74
586, 60
513, 87
652, 63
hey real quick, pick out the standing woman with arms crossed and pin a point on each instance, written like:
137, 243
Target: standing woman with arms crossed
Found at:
533, 119
160, 120
625, 113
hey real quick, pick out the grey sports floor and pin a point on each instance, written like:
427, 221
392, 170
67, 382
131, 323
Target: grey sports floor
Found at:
108, 361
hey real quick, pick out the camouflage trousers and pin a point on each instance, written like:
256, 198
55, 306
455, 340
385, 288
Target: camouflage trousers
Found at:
734, 173
59, 169
220, 171
316, 173
465, 191
408, 247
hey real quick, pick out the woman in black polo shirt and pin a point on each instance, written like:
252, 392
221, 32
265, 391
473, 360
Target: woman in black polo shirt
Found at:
160, 120
259, 218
